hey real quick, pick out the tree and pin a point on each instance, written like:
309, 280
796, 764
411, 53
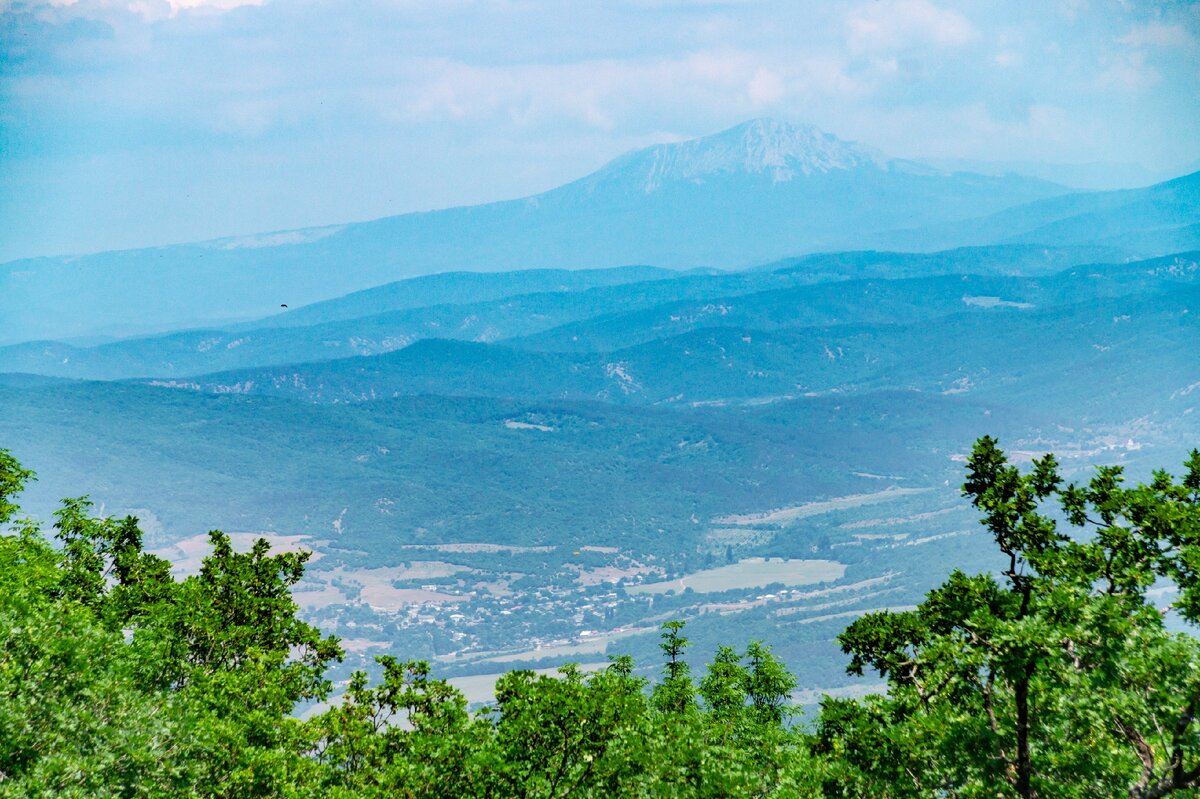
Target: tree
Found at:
12, 481
572, 735
724, 688
768, 686
1054, 676
1040, 680
115, 679
410, 735
676, 693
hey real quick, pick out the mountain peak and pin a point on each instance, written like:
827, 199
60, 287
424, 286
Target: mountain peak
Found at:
770, 147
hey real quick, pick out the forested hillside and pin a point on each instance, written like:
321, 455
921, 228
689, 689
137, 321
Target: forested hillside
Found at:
1056, 675
612, 311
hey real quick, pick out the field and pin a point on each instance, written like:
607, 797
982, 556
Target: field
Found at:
785, 516
480, 688
749, 573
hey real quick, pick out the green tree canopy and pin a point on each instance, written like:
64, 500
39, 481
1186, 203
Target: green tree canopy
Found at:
1054, 676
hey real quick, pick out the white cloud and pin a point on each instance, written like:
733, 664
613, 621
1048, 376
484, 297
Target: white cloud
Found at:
149, 10
765, 87
1128, 72
1008, 58
603, 93
896, 24
1157, 34
210, 5
1041, 123
975, 130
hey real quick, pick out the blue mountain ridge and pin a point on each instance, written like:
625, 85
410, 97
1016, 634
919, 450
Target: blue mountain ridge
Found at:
760, 191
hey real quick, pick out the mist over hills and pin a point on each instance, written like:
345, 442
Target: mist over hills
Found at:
1011, 349
447, 288
1153, 220
675, 421
490, 306
562, 457
600, 311
760, 191
752, 194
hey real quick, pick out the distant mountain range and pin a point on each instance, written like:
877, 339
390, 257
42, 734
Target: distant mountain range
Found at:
1015, 341
629, 410
528, 435
567, 310
1154, 220
757, 192
767, 343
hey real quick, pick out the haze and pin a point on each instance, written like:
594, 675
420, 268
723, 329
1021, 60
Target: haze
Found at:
126, 124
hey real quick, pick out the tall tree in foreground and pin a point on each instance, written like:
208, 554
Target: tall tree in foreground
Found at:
1055, 677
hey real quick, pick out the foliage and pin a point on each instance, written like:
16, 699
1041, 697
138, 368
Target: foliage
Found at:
117, 679
1055, 677
12, 477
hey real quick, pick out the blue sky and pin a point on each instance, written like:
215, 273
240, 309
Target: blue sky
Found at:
137, 122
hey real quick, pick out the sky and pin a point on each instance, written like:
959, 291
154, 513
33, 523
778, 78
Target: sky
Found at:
127, 123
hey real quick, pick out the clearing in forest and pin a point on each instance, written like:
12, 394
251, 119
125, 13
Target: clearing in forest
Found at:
785, 516
749, 573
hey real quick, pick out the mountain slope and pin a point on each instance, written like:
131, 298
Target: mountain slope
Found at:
457, 288
1153, 220
610, 314
754, 193
322, 331
439, 470
864, 301
1006, 352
